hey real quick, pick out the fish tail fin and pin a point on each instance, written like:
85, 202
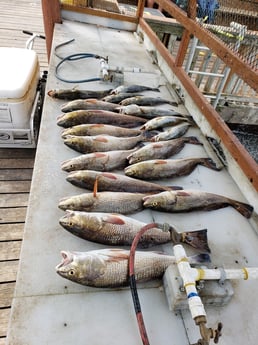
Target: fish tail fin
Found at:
193, 140
209, 163
245, 209
197, 239
199, 258
147, 135
173, 103
173, 188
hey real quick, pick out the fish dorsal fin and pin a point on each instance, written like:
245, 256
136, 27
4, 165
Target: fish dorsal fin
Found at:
116, 255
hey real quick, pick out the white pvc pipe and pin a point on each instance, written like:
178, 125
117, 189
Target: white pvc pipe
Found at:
195, 303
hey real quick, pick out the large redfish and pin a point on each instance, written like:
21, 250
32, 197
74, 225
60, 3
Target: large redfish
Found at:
113, 182
109, 267
88, 104
191, 200
99, 161
117, 229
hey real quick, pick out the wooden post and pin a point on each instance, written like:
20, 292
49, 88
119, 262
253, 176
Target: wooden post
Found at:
51, 15
191, 13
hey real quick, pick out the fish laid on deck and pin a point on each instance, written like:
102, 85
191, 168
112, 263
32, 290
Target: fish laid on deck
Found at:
148, 101
148, 112
113, 182
117, 98
173, 132
101, 143
117, 229
157, 168
73, 94
133, 88
98, 116
191, 200
88, 104
99, 128
162, 149
109, 267
99, 161
113, 202
162, 121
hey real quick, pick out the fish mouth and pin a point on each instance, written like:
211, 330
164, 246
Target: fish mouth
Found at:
67, 258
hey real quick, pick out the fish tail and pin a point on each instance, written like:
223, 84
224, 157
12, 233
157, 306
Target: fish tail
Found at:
147, 135
209, 163
197, 239
173, 188
175, 104
245, 209
192, 140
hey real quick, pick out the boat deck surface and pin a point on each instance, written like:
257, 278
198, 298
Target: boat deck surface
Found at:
50, 310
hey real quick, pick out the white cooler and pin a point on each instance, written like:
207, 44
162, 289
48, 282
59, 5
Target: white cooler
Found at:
19, 77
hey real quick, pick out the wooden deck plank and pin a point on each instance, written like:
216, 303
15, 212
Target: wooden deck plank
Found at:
6, 294
12, 215
11, 232
10, 250
14, 200
8, 270
14, 163
14, 153
15, 174
15, 186
4, 317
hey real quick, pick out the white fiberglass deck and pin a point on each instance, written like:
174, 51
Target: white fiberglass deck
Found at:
49, 310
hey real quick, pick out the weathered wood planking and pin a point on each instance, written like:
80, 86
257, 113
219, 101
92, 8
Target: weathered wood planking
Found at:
16, 167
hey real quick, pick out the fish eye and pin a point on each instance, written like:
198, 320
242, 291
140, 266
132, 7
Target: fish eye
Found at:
71, 273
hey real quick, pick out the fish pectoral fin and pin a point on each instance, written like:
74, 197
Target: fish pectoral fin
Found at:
101, 139
113, 219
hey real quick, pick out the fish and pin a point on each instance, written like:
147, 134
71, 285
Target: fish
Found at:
173, 132
157, 168
192, 200
148, 112
88, 104
99, 161
149, 101
101, 143
99, 128
162, 121
117, 98
114, 202
113, 182
108, 267
78, 117
161, 150
133, 88
73, 94
117, 229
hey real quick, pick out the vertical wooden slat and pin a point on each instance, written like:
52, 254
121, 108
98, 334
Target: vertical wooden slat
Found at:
51, 15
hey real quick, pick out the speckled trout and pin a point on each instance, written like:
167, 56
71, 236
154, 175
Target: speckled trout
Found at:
162, 149
109, 267
157, 168
87, 104
191, 200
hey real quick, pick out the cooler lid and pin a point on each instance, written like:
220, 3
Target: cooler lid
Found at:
17, 68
